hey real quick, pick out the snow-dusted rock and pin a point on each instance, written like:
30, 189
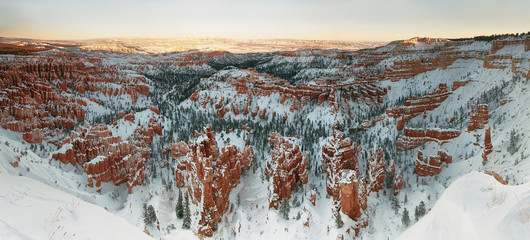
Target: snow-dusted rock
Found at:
288, 166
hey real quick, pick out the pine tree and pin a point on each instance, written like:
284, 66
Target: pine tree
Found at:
419, 211
179, 209
395, 204
285, 208
338, 220
186, 223
405, 219
512, 145
149, 215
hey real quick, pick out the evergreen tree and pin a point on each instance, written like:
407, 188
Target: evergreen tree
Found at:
405, 219
179, 209
395, 203
285, 208
513, 143
149, 215
338, 220
419, 211
186, 224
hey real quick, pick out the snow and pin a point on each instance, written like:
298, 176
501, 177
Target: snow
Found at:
475, 46
97, 159
33, 210
465, 210
476, 206
510, 50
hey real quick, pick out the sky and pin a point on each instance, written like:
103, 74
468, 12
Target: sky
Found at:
352, 20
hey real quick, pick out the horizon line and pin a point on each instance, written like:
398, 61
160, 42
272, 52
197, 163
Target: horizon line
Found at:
245, 39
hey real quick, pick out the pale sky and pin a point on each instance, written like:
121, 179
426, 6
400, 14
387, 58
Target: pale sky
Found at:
356, 20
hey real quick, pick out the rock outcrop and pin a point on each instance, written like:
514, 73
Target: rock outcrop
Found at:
40, 95
288, 166
430, 166
415, 106
210, 176
398, 183
338, 154
479, 119
499, 44
527, 44
501, 56
107, 158
413, 138
488, 148
353, 194
251, 84
376, 170
496, 176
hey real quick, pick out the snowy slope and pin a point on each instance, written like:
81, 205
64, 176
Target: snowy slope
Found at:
33, 210
476, 206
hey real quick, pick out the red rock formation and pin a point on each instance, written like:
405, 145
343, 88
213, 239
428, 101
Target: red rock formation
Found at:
6, 48
222, 112
205, 102
219, 104
499, 44
129, 117
38, 92
400, 124
17, 161
338, 154
210, 177
376, 170
431, 166
353, 194
313, 197
504, 101
333, 105
398, 184
496, 176
179, 149
459, 84
403, 69
487, 145
366, 124
294, 105
154, 109
498, 61
517, 64
246, 128
262, 115
253, 83
287, 167
235, 109
479, 119
107, 158
415, 106
527, 44
322, 98
413, 138
195, 96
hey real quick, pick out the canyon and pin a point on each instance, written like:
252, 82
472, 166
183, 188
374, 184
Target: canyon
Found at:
325, 143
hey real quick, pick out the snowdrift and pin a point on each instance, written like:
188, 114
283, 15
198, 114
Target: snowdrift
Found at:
476, 206
33, 210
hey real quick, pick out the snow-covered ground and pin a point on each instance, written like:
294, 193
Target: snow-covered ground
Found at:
33, 210
476, 206
42, 198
